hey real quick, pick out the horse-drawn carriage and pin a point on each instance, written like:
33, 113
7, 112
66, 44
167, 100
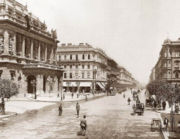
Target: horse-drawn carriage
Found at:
138, 108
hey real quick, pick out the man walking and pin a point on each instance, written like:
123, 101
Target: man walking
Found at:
129, 100
166, 121
60, 109
83, 125
164, 105
77, 109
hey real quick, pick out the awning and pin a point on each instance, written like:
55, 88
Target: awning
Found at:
103, 84
85, 84
70, 84
100, 85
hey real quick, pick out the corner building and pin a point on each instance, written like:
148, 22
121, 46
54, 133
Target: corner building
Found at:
85, 67
27, 50
167, 67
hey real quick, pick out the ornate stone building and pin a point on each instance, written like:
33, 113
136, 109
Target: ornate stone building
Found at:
168, 65
27, 50
84, 67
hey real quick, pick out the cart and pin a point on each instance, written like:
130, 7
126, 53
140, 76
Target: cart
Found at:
156, 124
138, 108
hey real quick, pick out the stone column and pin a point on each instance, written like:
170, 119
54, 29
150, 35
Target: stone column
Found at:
32, 49
23, 46
45, 59
39, 51
52, 55
55, 87
6, 42
39, 84
24, 85
48, 84
14, 46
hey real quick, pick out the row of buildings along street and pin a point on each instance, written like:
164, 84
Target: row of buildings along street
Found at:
47, 74
32, 57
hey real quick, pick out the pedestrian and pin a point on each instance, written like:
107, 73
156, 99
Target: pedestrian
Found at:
86, 97
77, 109
83, 127
63, 96
164, 105
155, 104
60, 109
166, 121
77, 95
129, 100
72, 95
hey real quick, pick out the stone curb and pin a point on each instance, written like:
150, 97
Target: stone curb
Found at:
34, 100
7, 116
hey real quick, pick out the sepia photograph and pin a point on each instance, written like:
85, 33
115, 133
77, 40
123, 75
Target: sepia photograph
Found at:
89, 69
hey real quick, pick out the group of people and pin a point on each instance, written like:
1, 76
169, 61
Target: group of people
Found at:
61, 109
83, 123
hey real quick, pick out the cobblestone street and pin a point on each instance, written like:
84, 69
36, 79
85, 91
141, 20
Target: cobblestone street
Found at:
108, 117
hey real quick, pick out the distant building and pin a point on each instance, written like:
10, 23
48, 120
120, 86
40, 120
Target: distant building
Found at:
27, 50
168, 65
84, 67
125, 78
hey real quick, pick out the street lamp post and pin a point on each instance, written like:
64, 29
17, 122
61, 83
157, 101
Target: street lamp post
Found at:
33, 82
94, 80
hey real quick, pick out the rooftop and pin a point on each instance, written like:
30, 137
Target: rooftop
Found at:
16, 12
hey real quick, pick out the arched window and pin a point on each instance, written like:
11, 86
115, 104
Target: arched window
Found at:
83, 56
176, 75
89, 56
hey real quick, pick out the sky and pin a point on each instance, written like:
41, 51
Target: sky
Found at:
129, 31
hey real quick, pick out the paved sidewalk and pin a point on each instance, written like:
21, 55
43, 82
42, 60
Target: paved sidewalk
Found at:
22, 105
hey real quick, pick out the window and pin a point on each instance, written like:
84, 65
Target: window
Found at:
65, 75
83, 56
88, 66
70, 75
82, 74
64, 66
82, 66
64, 57
70, 57
89, 56
76, 66
59, 58
70, 66
12, 74
76, 57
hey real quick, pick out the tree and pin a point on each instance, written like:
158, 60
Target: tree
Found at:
164, 91
7, 89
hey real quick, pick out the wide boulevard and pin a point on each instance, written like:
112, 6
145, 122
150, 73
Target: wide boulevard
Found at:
108, 118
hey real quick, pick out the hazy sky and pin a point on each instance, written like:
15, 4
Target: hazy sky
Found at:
130, 31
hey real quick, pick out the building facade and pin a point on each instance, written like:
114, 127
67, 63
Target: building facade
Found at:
84, 67
168, 66
27, 50
125, 78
